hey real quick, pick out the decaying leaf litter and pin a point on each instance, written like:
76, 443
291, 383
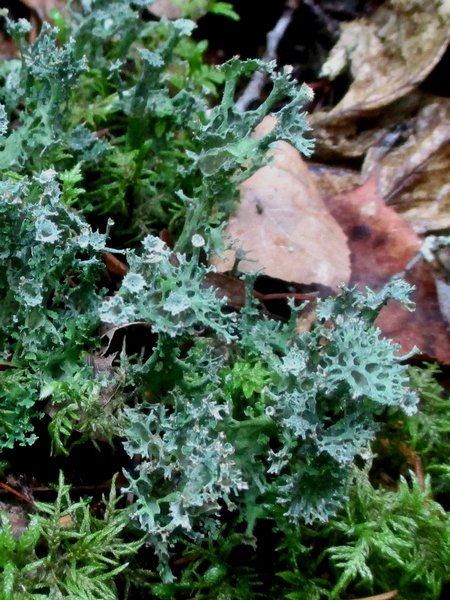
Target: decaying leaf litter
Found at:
402, 147
328, 221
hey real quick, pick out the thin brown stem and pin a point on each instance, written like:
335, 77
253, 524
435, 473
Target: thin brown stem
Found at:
385, 596
285, 296
11, 490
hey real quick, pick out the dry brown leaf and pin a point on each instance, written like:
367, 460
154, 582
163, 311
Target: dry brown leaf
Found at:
228, 287
425, 327
443, 295
382, 244
284, 228
389, 53
339, 135
415, 177
333, 180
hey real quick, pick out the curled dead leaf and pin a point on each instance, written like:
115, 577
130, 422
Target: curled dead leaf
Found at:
414, 177
389, 53
114, 265
347, 135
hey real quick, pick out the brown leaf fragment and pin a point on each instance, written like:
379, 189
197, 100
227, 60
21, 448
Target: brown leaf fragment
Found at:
134, 338
306, 320
65, 521
114, 265
331, 180
443, 294
16, 10
425, 327
389, 53
101, 364
351, 135
8, 48
382, 244
284, 228
415, 177
415, 462
227, 286
5, 365
23, 497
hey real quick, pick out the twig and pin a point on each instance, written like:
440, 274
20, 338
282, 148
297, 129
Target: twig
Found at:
256, 84
286, 296
7, 489
385, 596
11, 490
184, 560
77, 488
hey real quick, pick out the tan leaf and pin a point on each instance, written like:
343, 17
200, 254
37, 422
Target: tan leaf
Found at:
284, 228
166, 8
175, 9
